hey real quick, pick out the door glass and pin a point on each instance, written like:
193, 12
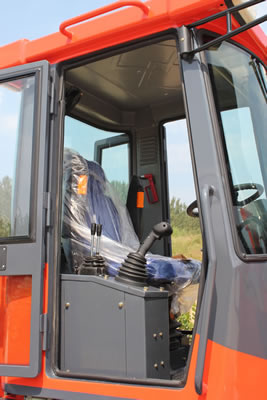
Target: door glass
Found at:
117, 172
240, 94
16, 134
186, 237
95, 144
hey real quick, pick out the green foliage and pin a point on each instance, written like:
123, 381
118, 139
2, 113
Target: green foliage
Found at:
187, 320
180, 219
121, 189
5, 206
186, 237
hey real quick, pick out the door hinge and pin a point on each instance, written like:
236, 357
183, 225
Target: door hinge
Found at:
44, 330
47, 206
185, 41
52, 89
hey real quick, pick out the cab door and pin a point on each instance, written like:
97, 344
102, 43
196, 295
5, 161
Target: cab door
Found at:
23, 130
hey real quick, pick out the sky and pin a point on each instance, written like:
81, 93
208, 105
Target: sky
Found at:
30, 19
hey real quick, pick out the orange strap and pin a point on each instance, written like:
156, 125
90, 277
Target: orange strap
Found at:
140, 200
82, 184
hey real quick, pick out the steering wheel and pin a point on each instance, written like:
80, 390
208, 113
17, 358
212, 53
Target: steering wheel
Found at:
262, 237
247, 186
192, 210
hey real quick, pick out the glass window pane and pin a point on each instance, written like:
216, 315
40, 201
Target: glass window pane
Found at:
240, 96
16, 133
186, 237
110, 149
115, 162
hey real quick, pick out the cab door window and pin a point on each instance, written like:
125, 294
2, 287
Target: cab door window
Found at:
16, 133
240, 96
186, 238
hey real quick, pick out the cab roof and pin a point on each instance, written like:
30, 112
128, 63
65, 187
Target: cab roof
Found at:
131, 20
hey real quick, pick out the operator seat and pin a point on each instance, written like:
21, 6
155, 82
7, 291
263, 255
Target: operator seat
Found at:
88, 197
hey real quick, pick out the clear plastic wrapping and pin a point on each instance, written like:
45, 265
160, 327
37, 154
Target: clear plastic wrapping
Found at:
89, 197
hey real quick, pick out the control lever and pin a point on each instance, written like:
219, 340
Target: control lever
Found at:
94, 264
159, 230
133, 269
93, 230
98, 237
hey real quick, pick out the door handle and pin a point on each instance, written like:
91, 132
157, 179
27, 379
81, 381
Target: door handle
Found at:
100, 11
206, 194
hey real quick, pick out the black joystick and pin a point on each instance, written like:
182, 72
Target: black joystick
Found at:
94, 264
133, 269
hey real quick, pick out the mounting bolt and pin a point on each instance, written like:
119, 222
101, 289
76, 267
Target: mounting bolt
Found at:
120, 305
162, 363
154, 335
67, 306
156, 365
161, 334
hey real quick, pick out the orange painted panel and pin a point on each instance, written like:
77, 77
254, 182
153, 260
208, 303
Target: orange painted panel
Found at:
125, 25
229, 374
15, 314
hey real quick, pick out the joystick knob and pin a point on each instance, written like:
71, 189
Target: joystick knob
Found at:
133, 269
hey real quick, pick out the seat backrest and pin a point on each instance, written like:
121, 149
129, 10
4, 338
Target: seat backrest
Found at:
88, 197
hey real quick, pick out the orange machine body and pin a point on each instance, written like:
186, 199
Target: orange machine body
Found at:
228, 374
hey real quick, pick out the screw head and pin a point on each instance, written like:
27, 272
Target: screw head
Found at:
156, 365
67, 306
120, 305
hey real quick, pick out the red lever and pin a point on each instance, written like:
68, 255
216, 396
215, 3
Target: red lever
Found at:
151, 192
100, 11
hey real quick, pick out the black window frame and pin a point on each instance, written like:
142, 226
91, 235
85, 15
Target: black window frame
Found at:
223, 158
31, 237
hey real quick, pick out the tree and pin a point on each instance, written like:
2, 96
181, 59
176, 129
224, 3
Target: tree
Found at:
180, 219
121, 190
5, 206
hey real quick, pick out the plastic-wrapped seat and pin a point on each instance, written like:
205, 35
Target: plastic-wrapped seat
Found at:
89, 197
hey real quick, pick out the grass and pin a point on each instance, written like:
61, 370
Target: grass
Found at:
187, 243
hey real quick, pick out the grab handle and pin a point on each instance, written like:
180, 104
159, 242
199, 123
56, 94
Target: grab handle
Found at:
206, 193
100, 11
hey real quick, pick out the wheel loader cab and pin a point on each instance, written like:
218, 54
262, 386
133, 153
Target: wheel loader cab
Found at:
126, 168
117, 132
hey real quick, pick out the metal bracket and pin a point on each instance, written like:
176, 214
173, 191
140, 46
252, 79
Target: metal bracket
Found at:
52, 96
189, 52
44, 330
47, 206
185, 40
3, 258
